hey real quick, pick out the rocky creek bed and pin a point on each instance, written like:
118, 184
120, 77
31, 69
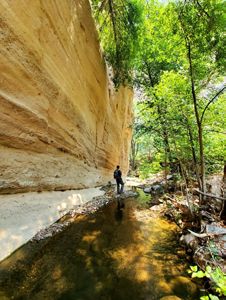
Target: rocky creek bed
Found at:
202, 227
116, 212
115, 247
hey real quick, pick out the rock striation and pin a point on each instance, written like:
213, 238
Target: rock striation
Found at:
62, 124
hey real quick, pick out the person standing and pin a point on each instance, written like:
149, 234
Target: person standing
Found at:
119, 181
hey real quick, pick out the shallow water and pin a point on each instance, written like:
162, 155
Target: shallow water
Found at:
128, 253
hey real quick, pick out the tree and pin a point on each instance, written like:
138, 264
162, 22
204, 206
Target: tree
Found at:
173, 54
119, 23
200, 27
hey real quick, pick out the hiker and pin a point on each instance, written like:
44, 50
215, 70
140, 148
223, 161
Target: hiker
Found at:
118, 178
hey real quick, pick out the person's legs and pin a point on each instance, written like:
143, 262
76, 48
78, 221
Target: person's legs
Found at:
118, 186
122, 186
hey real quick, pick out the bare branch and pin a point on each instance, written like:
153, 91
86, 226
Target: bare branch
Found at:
202, 9
210, 195
209, 130
208, 104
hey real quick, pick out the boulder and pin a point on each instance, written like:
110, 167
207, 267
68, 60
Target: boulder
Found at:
148, 190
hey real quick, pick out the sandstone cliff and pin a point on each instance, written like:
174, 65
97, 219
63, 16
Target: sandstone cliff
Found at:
62, 125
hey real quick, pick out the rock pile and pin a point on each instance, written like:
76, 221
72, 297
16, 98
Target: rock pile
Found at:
49, 231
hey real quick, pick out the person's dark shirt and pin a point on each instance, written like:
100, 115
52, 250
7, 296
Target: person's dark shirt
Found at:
119, 174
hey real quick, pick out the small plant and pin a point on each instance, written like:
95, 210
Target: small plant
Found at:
217, 277
213, 249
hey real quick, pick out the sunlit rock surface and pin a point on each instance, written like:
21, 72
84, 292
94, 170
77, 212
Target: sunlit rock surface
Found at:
62, 125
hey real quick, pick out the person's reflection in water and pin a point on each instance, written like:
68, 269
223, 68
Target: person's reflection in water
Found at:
119, 211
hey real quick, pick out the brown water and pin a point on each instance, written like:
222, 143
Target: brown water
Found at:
112, 254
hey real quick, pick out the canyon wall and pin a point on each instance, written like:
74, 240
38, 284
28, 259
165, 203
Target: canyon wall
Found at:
62, 124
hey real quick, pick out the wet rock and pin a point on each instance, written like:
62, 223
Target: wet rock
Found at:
147, 190
169, 214
220, 245
202, 257
159, 207
155, 202
94, 205
127, 194
171, 297
49, 231
107, 187
155, 189
215, 229
217, 205
207, 216
189, 241
183, 284
219, 238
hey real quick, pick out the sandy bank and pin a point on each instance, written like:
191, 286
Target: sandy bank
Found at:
23, 215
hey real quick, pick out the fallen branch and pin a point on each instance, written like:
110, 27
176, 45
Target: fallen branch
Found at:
203, 235
168, 197
210, 195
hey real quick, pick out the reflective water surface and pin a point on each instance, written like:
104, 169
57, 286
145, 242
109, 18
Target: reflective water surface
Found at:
129, 253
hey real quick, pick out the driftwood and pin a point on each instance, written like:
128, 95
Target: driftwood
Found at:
203, 235
170, 198
210, 195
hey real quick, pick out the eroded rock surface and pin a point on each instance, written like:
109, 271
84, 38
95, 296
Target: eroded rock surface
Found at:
62, 124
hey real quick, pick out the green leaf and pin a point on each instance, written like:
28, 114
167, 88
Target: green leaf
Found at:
194, 268
204, 298
212, 297
199, 274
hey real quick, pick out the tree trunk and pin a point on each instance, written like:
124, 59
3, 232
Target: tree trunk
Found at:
133, 154
202, 160
223, 211
195, 161
168, 155
198, 121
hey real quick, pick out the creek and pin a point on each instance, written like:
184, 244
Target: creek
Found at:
129, 253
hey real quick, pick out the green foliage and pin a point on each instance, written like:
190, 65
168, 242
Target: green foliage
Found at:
210, 296
148, 167
119, 23
169, 52
166, 112
217, 277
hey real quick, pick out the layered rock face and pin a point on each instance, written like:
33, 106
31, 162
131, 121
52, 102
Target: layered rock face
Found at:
62, 125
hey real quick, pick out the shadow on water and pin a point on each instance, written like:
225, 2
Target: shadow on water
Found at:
118, 253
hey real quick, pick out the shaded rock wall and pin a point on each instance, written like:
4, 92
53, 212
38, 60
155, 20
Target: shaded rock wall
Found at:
62, 125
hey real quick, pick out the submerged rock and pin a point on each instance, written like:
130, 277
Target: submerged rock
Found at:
127, 194
171, 297
189, 241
